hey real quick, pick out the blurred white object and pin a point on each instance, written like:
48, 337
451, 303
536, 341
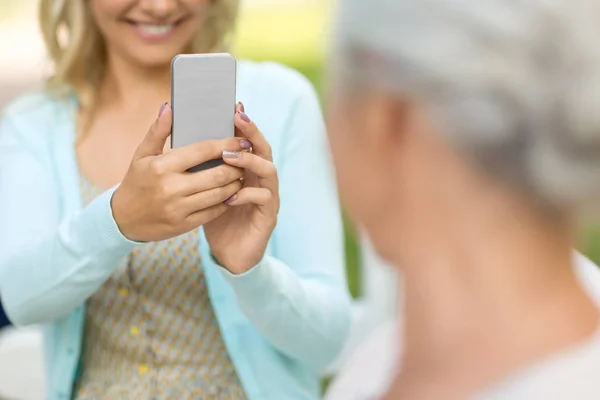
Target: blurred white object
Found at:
379, 283
376, 305
588, 274
22, 374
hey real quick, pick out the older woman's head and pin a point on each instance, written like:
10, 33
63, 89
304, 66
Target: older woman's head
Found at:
440, 98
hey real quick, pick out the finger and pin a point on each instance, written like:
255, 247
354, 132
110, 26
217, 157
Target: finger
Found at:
246, 128
154, 141
264, 169
250, 195
184, 158
209, 198
209, 179
201, 217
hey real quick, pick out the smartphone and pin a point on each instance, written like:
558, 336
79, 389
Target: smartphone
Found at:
202, 100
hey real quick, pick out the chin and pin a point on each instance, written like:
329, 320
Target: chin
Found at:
152, 53
384, 246
153, 58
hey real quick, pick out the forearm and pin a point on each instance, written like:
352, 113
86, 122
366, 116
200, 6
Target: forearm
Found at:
45, 277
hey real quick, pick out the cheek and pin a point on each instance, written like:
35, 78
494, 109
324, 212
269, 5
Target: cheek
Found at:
198, 11
350, 158
109, 10
106, 14
361, 168
195, 5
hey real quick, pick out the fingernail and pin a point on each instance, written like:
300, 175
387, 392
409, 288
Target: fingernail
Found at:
162, 108
245, 144
244, 116
231, 154
231, 199
242, 109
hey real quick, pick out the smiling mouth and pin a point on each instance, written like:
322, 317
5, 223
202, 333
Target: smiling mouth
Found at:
155, 29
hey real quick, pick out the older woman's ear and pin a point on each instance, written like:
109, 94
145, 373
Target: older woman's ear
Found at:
389, 120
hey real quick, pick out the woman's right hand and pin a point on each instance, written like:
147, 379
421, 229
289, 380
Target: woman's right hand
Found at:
158, 199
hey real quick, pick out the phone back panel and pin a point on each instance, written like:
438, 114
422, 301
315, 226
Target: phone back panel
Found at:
202, 99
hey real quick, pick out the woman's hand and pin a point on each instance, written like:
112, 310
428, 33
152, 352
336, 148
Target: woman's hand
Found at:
238, 238
158, 199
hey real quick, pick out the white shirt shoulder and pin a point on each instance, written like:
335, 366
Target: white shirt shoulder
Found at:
568, 375
371, 369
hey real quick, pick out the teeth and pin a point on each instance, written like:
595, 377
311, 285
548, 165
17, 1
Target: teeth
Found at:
155, 29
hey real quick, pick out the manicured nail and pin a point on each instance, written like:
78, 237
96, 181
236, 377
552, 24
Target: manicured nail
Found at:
231, 199
231, 154
245, 144
242, 109
244, 117
162, 108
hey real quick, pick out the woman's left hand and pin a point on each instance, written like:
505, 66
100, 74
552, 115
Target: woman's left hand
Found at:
238, 238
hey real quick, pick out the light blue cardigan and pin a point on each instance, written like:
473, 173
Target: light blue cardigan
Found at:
282, 322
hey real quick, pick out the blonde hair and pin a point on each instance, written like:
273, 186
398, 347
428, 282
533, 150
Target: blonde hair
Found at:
77, 49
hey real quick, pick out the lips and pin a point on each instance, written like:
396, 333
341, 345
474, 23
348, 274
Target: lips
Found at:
155, 30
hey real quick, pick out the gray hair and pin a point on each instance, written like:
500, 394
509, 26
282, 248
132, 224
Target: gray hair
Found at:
514, 84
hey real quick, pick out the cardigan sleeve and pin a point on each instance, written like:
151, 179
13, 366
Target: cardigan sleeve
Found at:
48, 267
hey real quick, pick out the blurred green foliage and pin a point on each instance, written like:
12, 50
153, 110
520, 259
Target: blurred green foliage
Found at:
590, 240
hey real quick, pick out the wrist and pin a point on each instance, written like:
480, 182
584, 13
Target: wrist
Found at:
96, 230
119, 215
237, 265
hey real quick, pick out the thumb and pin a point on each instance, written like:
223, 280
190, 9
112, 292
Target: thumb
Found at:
154, 141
